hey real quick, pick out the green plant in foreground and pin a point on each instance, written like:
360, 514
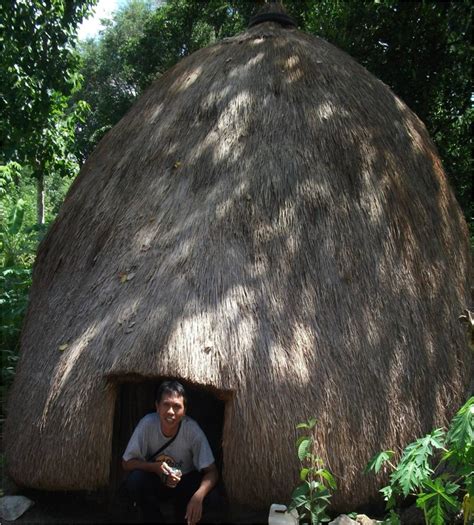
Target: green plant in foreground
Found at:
438, 469
311, 497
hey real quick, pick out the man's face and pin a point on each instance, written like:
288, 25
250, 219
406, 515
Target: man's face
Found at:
171, 411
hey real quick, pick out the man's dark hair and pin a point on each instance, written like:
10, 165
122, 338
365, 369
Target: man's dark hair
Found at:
171, 387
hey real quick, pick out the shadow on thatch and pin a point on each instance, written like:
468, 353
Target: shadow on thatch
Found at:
270, 220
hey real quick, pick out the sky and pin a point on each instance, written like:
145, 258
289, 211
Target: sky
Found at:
91, 26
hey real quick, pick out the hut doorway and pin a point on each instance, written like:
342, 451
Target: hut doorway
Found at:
135, 399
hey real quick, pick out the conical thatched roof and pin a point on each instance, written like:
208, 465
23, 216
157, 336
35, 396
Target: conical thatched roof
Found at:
268, 220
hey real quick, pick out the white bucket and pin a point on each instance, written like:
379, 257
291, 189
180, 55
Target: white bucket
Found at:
278, 515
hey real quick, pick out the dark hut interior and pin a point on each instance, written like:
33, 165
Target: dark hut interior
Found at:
135, 399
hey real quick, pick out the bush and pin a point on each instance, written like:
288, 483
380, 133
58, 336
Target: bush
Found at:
438, 469
311, 498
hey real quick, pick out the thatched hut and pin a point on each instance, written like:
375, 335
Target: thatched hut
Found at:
272, 225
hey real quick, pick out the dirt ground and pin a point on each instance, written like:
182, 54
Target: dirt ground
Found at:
76, 508
71, 508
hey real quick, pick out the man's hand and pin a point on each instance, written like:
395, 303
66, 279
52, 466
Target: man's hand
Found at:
194, 509
172, 478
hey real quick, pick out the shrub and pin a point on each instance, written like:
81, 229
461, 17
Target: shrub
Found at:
312, 496
438, 469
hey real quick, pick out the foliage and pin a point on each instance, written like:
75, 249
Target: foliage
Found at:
38, 67
14, 286
19, 237
39, 73
436, 487
311, 497
110, 74
16, 249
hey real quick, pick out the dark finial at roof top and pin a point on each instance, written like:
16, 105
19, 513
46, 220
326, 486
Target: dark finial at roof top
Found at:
272, 12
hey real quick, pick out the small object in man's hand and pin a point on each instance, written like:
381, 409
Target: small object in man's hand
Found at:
175, 471
170, 471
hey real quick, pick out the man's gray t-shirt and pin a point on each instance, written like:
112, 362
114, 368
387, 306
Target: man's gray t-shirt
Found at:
189, 451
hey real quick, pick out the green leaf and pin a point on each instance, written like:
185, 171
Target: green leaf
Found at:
300, 440
414, 466
304, 448
16, 217
302, 426
300, 490
378, 460
308, 425
461, 431
408, 477
299, 501
328, 477
304, 473
388, 496
437, 500
445, 491
469, 484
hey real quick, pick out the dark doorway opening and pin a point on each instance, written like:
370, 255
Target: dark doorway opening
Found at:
135, 399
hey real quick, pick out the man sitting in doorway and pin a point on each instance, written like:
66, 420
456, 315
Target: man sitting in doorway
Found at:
169, 457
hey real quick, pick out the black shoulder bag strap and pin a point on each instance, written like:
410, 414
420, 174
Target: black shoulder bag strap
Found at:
167, 444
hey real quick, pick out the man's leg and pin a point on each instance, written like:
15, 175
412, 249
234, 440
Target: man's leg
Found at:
183, 492
145, 488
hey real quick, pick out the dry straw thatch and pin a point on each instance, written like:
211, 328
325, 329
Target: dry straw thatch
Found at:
270, 221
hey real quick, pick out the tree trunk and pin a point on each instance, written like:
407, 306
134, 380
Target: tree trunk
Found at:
40, 199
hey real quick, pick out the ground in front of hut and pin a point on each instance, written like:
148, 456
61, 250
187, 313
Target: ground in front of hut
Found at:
71, 508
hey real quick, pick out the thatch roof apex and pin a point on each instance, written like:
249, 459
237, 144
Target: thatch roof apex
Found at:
272, 12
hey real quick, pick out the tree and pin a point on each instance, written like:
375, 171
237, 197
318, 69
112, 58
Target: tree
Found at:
39, 72
111, 77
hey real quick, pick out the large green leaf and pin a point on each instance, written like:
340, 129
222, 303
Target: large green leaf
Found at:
408, 477
438, 500
324, 473
304, 448
414, 466
378, 460
460, 435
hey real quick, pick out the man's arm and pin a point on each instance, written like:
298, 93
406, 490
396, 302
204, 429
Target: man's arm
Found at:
208, 482
139, 464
